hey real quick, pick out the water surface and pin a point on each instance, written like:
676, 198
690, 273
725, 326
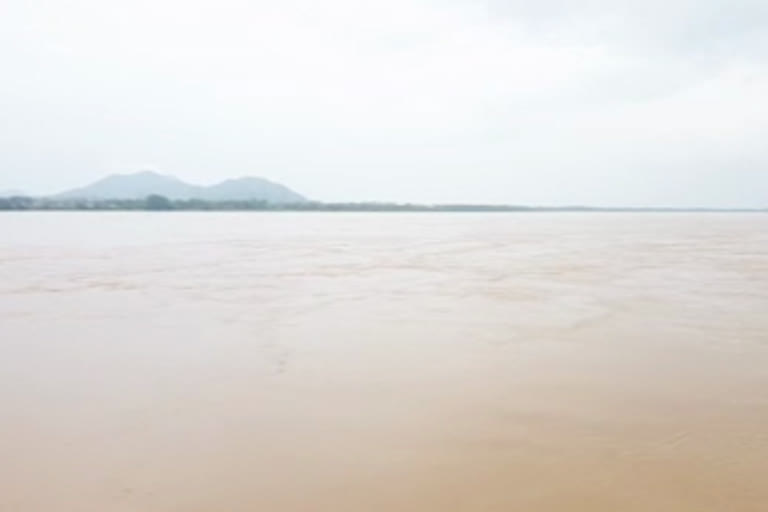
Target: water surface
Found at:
377, 362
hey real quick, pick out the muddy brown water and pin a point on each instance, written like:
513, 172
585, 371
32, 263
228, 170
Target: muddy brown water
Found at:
377, 362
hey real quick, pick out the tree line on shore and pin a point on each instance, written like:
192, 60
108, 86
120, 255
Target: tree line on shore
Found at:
161, 203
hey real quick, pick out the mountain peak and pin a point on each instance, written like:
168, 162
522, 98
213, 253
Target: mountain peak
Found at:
147, 182
144, 175
248, 187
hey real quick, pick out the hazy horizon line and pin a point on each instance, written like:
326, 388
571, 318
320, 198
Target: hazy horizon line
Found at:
395, 203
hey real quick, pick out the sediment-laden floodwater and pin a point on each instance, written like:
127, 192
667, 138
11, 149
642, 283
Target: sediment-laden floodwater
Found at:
289, 362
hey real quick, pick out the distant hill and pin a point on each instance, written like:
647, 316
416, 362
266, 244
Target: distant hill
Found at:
140, 185
252, 188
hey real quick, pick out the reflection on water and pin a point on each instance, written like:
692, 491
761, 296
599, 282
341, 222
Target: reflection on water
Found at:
380, 362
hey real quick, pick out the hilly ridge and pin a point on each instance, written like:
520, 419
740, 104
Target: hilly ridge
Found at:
141, 184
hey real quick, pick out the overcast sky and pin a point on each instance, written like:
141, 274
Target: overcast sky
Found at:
605, 102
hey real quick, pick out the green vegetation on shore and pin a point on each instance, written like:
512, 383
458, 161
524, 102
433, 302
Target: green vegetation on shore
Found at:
162, 203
